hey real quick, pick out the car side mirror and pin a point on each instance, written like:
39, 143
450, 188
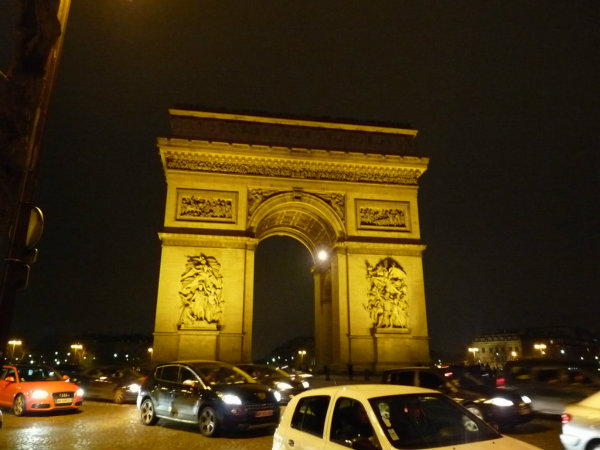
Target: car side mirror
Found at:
10, 379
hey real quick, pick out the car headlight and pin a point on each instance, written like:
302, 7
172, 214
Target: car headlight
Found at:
277, 395
525, 399
134, 387
283, 386
39, 394
79, 392
305, 384
499, 401
230, 399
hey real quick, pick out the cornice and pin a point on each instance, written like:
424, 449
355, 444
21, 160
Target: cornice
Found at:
240, 159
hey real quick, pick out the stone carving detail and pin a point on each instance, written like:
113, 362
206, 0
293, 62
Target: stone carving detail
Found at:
311, 170
387, 302
383, 215
257, 196
208, 206
201, 292
333, 199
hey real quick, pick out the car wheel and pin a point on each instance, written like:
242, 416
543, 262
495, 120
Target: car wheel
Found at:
476, 411
148, 413
119, 396
207, 421
19, 405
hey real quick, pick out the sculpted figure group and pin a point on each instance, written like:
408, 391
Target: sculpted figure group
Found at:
387, 297
201, 289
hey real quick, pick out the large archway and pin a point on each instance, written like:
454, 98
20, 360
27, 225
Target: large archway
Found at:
346, 191
284, 319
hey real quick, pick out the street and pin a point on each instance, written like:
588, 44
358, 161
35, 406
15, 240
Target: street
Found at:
107, 426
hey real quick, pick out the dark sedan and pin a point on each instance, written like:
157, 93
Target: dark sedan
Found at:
502, 408
120, 384
214, 395
287, 384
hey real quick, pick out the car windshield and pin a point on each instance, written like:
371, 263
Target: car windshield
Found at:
265, 371
428, 421
38, 373
213, 374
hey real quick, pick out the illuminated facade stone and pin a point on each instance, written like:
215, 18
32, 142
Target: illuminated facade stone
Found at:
349, 189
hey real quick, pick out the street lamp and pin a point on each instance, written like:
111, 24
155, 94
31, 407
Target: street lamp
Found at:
541, 348
76, 349
302, 354
14, 343
473, 350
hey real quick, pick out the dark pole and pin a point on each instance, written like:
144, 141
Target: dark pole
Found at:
26, 89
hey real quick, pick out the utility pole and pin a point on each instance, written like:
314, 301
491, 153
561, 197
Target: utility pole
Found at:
25, 92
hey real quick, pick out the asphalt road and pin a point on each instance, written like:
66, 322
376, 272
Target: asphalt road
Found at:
106, 426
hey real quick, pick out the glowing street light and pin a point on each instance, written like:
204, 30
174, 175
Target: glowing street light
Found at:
541, 348
322, 255
77, 348
473, 350
14, 343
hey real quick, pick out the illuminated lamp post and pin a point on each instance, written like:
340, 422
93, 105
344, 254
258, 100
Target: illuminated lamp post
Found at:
14, 343
473, 350
150, 352
541, 348
77, 349
302, 354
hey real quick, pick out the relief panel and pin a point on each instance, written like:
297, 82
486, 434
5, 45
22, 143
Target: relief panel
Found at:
382, 215
207, 206
387, 296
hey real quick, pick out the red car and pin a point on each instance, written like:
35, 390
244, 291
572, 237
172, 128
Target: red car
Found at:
30, 388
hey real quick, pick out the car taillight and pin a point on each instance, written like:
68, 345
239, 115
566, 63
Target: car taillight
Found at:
565, 418
500, 381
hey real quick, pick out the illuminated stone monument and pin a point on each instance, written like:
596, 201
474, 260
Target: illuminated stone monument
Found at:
346, 189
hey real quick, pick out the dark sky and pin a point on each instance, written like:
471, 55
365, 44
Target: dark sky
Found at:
505, 95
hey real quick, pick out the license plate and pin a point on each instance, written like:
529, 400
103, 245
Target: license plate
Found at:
525, 410
264, 413
63, 400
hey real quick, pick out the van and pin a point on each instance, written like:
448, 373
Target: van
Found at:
551, 385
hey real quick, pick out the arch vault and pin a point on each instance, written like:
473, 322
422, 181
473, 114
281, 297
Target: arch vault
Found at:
344, 188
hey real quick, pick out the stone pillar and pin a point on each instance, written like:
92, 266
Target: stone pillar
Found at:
323, 353
248, 302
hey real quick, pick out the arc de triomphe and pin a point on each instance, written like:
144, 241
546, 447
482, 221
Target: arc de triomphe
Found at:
347, 191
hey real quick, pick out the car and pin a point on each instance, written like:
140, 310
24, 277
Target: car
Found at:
276, 378
383, 417
581, 424
28, 388
215, 395
550, 384
503, 408
120, 384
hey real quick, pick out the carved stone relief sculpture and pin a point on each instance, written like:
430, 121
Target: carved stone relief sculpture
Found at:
383, 215
206, 206
387, 302
201, 292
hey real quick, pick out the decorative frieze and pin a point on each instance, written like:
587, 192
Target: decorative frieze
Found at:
382, 215
291, 168
206, 206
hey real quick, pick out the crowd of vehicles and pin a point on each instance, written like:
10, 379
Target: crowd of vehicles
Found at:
410, 407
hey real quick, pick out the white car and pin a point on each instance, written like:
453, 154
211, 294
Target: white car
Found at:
581, 424
384, 417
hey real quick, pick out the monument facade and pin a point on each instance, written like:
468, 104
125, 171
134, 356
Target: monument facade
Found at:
347, 191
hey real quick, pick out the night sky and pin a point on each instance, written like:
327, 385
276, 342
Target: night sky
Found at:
505, 95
